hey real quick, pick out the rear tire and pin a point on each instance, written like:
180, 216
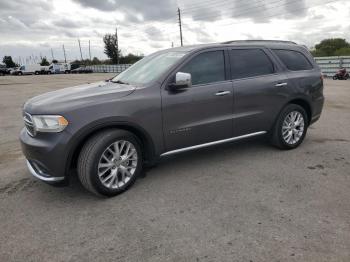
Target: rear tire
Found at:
290, 128
104, 171
335, 77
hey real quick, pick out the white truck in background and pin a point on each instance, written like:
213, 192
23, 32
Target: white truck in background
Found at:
59, 68
34, 69
37, 69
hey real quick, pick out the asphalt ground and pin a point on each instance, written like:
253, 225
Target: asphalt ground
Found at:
242, 201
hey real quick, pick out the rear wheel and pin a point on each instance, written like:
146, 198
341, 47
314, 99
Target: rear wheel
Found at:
20, 73
290, 127
335, 77
110, 162
36, 72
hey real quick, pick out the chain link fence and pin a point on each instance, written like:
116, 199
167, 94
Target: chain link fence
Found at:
331, 64
108, 68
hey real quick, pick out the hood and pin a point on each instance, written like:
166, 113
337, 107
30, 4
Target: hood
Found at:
78, 96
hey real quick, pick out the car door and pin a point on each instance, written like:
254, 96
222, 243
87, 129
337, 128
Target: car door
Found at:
259, 89
203, 112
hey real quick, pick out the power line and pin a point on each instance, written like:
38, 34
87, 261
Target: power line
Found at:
248, 10
277, 15
226, 3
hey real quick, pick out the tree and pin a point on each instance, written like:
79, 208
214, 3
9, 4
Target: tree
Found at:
95, 61
345, 51
112, 46
7, 60
130, 59
329, 47
44, 62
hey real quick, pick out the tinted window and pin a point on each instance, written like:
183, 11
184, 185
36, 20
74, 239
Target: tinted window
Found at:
293, 60
206, 68
249, 63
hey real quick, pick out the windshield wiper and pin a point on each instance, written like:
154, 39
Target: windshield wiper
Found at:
120, 82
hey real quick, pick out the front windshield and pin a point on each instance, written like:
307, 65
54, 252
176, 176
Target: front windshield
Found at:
148, 68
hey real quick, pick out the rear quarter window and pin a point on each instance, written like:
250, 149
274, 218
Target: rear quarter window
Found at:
293, 60
250, 63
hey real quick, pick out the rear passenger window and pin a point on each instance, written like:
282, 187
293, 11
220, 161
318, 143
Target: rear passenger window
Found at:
293, 60
249, 63
206, 68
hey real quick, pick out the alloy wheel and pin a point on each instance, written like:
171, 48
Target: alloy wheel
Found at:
293, 127
117, 164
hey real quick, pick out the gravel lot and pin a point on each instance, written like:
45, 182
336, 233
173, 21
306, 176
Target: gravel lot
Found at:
244, 201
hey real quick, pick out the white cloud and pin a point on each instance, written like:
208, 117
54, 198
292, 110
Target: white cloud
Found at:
33, 27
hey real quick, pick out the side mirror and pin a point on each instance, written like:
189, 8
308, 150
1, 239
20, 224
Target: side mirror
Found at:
182, 80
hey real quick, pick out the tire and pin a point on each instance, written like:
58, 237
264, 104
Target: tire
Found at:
297, 138
20, 73
49, 72
346, 77
36, 73
95, 153
335, 77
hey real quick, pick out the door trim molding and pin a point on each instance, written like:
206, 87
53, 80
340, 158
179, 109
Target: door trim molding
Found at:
212, 143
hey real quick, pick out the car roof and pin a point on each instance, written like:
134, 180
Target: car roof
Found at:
273, 44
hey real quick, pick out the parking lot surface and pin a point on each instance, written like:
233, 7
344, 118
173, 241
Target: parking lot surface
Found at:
243, 201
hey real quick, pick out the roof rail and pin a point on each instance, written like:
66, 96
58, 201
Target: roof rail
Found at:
259, 41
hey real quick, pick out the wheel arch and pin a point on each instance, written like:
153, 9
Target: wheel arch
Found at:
145, 140
305, 105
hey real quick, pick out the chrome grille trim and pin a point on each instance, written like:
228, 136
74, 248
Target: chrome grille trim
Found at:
29, 124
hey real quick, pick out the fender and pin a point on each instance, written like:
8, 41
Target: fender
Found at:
79, 138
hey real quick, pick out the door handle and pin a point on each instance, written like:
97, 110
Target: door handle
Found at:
223, 93
281, 84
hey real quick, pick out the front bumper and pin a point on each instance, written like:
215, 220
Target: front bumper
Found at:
46, 155
40, 174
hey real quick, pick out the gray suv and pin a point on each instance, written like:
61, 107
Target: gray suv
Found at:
169, 102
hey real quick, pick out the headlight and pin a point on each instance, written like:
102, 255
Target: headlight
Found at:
49, 123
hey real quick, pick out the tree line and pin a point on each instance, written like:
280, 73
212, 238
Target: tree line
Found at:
332, 47
327, 47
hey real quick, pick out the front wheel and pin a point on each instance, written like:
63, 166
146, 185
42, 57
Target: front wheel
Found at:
290, 128
335, 77
110, 162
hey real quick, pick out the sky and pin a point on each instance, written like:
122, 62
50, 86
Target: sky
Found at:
31, 28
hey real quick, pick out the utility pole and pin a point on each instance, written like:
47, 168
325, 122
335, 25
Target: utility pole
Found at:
179, 13
52, 54
81, 55
89, 50
64, 53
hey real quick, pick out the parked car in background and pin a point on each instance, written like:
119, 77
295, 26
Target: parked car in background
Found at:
169, 102
4, 71
82, 70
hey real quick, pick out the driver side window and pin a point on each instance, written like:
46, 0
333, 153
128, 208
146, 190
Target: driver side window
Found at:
205, 68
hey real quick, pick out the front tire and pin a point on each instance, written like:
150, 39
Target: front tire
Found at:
110, 162
290, 128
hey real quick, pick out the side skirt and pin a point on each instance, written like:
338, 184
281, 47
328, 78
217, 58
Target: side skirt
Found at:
212, 143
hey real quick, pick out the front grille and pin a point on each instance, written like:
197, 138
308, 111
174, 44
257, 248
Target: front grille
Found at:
28, 122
